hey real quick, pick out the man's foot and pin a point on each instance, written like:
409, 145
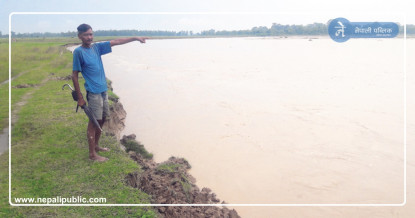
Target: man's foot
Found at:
97, 149
98, 158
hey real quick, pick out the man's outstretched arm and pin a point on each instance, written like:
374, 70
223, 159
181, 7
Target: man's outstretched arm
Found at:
121, 41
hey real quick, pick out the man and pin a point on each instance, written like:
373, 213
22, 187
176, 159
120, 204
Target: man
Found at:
87, 60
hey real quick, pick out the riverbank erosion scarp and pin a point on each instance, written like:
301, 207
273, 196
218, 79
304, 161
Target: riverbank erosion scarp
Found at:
115, 123
170, 183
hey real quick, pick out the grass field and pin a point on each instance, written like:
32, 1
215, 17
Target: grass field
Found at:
49, 155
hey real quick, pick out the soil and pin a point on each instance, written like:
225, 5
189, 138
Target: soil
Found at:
23, 86
115, 123
170, 183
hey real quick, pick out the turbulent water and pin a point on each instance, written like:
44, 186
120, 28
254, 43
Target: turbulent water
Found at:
276, 121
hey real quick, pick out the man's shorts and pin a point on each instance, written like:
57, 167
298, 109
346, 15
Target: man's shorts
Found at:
98, 104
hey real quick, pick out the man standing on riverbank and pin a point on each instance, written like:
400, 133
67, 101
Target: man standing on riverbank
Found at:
87, 60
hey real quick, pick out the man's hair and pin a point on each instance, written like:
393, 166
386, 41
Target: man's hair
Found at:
83, 28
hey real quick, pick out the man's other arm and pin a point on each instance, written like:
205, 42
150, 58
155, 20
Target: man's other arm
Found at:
122, 41
81, 100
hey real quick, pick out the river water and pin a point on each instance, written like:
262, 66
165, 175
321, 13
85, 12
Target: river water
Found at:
275, 121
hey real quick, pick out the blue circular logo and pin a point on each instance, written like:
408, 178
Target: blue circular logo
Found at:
339, 29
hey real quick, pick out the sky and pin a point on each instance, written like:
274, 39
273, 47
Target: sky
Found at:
205, 15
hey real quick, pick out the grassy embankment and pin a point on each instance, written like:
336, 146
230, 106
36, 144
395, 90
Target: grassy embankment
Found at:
4, 89
49, 155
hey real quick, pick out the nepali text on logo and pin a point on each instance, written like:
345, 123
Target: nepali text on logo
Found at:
341, 30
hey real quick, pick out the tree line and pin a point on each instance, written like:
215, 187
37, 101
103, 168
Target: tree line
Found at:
275, 30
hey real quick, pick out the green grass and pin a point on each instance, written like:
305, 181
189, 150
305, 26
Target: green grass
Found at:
111, 94
132, 145
34, 61
168, 167
4, 89
4, 106
4, 62
49, 155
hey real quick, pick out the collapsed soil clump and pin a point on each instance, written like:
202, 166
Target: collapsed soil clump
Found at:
170, 183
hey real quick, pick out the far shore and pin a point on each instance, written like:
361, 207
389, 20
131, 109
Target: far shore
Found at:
104, 38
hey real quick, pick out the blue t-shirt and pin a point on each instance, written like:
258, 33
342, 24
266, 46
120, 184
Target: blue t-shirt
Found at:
88, 62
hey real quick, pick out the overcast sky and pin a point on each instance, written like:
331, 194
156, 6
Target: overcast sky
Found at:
226, 14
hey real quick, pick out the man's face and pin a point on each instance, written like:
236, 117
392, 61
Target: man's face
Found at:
86, 37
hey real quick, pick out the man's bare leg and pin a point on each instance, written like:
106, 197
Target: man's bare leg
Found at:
98, 135
91, 133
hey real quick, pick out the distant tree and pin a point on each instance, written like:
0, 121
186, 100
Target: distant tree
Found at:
260, 31
210, 32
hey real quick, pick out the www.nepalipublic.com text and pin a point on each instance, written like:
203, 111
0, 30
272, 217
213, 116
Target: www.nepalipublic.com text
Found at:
61, 200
